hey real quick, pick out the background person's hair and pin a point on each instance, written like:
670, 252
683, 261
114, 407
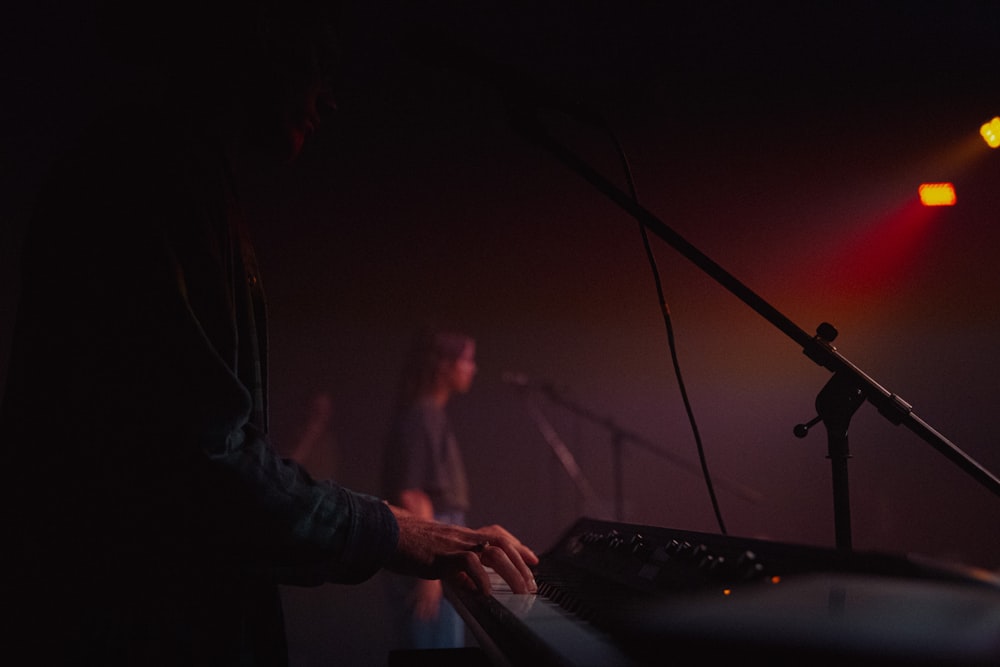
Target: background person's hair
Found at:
430, 349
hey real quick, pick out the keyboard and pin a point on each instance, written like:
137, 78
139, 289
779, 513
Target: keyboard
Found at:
614, 594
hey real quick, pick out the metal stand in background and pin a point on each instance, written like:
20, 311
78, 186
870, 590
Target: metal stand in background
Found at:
619, 438
850, 382
566, 459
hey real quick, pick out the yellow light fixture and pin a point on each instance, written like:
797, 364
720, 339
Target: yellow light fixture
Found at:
937, 194
991, 132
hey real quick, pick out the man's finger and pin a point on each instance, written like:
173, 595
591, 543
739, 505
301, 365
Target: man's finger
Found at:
476, 572
511, 567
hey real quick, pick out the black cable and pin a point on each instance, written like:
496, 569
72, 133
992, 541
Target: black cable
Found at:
665, 311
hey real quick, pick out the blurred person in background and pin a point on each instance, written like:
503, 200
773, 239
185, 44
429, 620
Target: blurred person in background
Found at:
423, 472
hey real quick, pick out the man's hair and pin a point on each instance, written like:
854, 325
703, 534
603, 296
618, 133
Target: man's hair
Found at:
219, 36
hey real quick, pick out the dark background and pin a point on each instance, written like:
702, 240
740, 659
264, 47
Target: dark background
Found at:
784, 140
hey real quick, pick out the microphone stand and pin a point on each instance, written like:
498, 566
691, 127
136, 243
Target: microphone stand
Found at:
565, 458
619, 436
849, 387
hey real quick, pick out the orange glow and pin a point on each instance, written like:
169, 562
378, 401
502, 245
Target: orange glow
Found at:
727, 591
775, 579
937, 194
991, 132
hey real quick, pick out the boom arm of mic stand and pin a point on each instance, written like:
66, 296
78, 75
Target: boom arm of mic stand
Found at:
817, 348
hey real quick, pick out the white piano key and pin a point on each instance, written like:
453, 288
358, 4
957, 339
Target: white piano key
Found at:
569, 637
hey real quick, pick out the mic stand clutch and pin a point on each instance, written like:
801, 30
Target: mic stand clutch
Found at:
836, 403
818, 347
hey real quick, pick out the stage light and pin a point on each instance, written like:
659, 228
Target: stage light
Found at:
991, 132
937, 194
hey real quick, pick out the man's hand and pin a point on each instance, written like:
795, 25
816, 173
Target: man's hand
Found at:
432, 550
